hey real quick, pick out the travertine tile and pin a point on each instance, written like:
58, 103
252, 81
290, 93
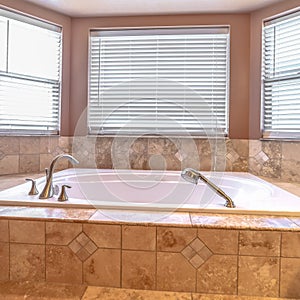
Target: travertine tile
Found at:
175, 273
27, 262
4, 261
3, 231
242, 222
258, 276
40, 291
290, 244
138, 269
290, 170
31, 232
138, 238
48, 144
29, 163
259, 243
218, 275
61, 233
220, 241
126, 294
45, 160
29, 145
290, 278
174, 239
46, 213
105, 236
103, 268
9, 164
9, 145
62, 265
142, 217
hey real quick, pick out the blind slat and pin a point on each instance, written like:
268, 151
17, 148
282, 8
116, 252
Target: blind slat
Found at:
165, 80
30, 75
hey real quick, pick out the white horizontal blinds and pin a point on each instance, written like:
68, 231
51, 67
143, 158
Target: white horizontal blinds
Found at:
30, 66
281, 77
159, 81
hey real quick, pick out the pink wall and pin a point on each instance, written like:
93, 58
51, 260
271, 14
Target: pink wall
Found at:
239, 66
65, 22
257, 18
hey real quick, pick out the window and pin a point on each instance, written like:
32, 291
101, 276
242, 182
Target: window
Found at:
281, 77
30, 65
159, 81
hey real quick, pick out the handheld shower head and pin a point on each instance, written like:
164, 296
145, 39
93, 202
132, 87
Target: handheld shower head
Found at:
190, 175
193, 176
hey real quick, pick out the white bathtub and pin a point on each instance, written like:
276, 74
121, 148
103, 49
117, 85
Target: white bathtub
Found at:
159, 190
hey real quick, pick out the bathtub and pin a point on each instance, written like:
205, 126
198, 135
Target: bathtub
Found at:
159, 190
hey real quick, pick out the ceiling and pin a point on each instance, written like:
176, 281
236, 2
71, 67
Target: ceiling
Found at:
90, 8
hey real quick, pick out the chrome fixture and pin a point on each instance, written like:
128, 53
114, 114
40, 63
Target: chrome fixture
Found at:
33, 190
63, 194
48, 189
193, 176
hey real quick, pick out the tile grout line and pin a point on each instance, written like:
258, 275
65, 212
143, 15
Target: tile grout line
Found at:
238, 263
121, 255
279, 274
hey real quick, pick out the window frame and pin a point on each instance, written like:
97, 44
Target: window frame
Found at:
40, 23
227, 94
276, 134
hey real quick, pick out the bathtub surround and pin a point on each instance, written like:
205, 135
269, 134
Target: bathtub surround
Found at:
273, 159
180, 252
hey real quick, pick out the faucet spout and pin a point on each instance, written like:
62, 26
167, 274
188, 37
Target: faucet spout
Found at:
193, 176
48, 190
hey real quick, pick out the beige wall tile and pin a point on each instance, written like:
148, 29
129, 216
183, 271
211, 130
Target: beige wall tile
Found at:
9, 164
48, 144
27, 262
45, 160
291, 151
290, 244
30, 232
29, 145
103, 268
258, 276
139, 238
104, 236
61, 233
29, 163
9, 145
259, 243
218, 275
174, 239
175, 273
62, 265
290, 170
4, 261
138, 270
220, 241
3, 231
290, 278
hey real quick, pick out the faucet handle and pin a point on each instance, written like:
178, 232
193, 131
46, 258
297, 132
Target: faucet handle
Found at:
33, 190
63, 194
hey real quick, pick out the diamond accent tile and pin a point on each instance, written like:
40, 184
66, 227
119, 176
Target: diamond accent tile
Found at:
83, 246
261, 157
232, 156
197, 261
197, 253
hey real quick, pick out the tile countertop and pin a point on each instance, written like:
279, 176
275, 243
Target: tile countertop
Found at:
153, 218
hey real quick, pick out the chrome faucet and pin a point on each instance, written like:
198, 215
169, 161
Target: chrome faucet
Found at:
193, 176
48, 189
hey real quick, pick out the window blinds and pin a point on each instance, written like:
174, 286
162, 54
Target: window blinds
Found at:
281, 77
30, 63
159, 81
